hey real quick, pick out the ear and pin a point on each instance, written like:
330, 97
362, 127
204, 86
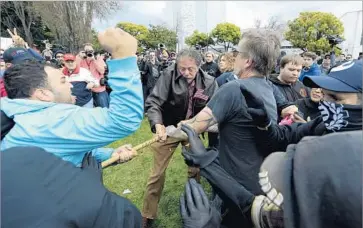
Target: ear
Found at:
43, 95
248, 63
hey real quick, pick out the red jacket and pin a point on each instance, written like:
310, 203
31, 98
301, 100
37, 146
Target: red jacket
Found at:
2, 89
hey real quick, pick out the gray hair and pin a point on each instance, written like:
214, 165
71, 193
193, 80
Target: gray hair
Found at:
209, 53
262, 47
191, 53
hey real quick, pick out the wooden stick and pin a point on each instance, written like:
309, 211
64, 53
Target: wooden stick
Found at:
138, 147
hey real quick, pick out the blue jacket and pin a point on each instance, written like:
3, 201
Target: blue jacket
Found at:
70, 131
313, 71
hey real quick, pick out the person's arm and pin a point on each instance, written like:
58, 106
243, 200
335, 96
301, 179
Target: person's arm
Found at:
89, 78
117, 212
156, 99
100, 65
221, 106
278, 137
231, 192
35, 54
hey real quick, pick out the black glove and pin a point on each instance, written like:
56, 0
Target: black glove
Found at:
196, 155
196, 212
90, 164
256, 109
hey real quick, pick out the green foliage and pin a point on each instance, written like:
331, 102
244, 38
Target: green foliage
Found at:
226, 34
310, 29
134, 174
95, 43
199, 38
140, 32
161, 34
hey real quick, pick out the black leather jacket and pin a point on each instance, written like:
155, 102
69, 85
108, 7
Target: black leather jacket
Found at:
168, 102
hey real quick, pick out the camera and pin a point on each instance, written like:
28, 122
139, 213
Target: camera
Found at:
334, 39
89, 53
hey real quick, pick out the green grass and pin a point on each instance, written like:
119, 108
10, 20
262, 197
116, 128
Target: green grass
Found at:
133, 175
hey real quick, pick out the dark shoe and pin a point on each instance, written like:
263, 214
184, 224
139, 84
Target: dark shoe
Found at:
146, 222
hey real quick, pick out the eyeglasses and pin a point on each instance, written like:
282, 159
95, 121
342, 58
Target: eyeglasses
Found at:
189, 69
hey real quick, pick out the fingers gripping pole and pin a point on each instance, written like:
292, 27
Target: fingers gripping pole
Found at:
138, 147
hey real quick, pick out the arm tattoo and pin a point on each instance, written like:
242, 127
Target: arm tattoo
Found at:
202, 121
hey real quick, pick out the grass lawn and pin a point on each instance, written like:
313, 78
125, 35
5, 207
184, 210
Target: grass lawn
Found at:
134, 174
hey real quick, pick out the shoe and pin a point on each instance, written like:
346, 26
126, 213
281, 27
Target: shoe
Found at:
147, 223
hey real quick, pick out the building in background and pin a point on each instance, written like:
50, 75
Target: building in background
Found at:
352, 22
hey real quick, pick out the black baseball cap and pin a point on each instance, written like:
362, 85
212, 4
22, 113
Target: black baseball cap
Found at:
16, 55
345, 78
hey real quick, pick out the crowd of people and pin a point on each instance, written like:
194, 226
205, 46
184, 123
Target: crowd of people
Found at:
284, 142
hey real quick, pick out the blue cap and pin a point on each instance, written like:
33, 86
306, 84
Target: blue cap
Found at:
16, 55
345, 78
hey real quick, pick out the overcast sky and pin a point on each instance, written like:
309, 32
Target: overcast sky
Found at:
240, 13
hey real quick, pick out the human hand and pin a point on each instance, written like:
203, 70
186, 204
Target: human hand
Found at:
288, 111
196, 155
297, 118
256, 109
90, 85
118, 42
195, 210
125, 153
17, 40
161, 132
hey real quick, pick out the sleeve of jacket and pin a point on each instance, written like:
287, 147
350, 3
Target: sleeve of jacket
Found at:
281, 102
231, 192
278, 137
156, 99
117, 212
84, 129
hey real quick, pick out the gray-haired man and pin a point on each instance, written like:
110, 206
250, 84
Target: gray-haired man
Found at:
181, 92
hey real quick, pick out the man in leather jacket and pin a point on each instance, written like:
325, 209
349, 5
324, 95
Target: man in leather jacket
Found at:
181, 92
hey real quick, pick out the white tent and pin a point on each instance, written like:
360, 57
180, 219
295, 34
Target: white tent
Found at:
5, 43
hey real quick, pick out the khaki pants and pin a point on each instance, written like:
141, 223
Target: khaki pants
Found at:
162, 155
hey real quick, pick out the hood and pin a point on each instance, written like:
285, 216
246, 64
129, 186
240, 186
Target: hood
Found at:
275, 80
13, 107
323, 182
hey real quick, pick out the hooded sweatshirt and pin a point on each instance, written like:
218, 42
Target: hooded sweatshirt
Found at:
323, 182
314, 70
70, 131
291, 92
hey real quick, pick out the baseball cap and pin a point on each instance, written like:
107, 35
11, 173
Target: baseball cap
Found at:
345, 78
16, 55
68, 57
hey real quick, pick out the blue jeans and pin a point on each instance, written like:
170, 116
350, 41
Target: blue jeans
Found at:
101, 99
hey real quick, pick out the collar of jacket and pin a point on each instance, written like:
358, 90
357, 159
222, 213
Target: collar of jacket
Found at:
67, 73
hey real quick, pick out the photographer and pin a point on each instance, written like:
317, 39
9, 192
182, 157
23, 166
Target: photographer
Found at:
151, 72
97, 67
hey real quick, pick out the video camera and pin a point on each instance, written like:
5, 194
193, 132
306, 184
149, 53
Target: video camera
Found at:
334, 39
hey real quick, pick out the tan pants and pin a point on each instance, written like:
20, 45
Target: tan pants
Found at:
162, 155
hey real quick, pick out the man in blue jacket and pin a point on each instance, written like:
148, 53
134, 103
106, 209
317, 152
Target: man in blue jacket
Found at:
311, 68
40, 102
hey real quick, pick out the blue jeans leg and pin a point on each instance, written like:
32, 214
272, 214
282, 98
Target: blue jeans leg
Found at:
101, 99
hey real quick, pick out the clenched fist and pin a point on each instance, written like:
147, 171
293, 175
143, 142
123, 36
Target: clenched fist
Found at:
118, 42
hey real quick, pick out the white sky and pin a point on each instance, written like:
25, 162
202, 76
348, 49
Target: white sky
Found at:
240, 13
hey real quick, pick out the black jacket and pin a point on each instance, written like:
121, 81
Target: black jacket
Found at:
308, 108
168, 102
211, 69
149, 77
41, 190
290, 92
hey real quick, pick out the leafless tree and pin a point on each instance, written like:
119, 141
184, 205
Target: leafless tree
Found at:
22, 11
71, 21
273, 23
